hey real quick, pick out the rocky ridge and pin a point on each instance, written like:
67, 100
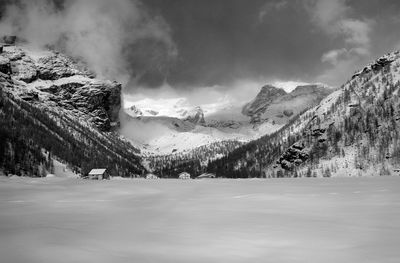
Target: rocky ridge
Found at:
61, 82
274, 104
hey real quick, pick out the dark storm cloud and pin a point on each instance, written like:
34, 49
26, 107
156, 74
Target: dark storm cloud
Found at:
311, 40
198, 43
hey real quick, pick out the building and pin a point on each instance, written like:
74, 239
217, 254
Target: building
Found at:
205, 176
151, 176
98, 174
184, 176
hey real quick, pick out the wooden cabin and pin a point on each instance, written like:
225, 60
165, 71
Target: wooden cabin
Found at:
98, 174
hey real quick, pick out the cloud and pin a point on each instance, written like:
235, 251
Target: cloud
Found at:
334, 55
356, 32
270, 7
326, 13
111, 36
335, 19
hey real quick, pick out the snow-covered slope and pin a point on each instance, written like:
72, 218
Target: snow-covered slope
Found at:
353, 131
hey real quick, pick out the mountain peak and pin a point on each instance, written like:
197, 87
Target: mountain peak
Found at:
275, 105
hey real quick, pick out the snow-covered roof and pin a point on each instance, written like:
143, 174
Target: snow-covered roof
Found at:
97, 171
151, 176
206, 175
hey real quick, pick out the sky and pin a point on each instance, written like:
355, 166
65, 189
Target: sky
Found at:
186, 45
221, 41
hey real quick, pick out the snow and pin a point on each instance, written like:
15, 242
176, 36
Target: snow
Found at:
178, 107
62, 170
275, 220
171, 107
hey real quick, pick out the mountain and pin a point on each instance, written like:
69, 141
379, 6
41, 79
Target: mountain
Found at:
351, 132
174, 108
184, 127
260, 103
53, 108
220, 135
274, 104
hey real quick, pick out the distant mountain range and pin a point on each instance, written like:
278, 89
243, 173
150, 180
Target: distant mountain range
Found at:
188, 126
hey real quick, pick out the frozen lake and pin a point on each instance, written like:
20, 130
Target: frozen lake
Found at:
275, 220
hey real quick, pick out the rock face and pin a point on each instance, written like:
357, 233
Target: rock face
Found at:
62, 82
196, 116
5, 66
275, 105
293, 156
378, 64
264, 98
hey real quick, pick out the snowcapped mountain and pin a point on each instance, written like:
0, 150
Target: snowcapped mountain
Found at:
351, 132
174, 108
274, 104
53, 108
173, 125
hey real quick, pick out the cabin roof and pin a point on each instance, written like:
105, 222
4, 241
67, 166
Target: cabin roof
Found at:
206, 175
97, 171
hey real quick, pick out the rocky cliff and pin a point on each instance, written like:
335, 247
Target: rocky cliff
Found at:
52, 95
61, 82
275, 105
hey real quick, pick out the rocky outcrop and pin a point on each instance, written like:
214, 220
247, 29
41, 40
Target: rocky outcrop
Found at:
56, 66
293, 156
232, 124
272, 104
62, 82
378, 64
195, 116
5, 66
261, 102
135, 111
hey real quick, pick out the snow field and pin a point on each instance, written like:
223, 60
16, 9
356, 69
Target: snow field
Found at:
274, 220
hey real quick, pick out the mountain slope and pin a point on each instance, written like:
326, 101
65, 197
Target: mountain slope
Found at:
52, 108
353, 131
274, 104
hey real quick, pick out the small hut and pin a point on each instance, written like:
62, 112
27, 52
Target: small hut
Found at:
98, 174
151, 176
205, 176
184, 176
